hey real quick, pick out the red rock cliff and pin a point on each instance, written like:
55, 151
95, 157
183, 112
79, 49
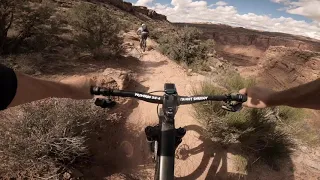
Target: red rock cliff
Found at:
140, 9
227, 35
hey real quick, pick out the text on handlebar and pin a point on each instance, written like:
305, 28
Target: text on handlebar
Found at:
203, 98
146, 96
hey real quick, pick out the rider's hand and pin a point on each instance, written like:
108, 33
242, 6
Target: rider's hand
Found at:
80, 86
258, 97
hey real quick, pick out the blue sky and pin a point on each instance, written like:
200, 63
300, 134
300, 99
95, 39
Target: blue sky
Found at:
259, 7
299, 17
262, 7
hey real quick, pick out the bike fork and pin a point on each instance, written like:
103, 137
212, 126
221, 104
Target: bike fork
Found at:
153, 137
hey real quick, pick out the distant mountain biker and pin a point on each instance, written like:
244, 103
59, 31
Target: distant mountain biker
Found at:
143, 32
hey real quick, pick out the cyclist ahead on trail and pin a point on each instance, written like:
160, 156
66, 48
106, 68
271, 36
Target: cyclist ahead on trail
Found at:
143, 32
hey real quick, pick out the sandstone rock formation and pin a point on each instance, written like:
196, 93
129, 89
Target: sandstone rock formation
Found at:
149, 12
126, 6
227, 35
285, 67
123, 5
121, 77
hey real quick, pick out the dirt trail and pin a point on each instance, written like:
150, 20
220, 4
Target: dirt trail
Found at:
158, 70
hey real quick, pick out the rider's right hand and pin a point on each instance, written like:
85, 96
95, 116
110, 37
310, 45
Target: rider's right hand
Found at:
258, 97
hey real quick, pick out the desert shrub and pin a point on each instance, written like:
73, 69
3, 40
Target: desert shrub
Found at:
241, 163
256, 130
290, 115
234, 82
48, 137
156, 32
205, 67
184, 45
21, 20
96, 30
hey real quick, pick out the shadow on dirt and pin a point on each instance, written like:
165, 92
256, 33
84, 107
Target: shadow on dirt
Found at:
64, 67
215, 159
118, 146
121, 150
88, 65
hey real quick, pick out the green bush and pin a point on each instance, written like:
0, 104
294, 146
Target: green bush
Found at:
184, 45
155, 32
234, 82
257, 130
96, 30
21, 20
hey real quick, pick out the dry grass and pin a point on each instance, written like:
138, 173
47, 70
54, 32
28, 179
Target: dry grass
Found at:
241, 164
292, 121
48, 137
256, 130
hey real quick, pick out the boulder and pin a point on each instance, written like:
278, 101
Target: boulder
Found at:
121, 4
127, 7
211, 55
151, 13
66, 176
122, 77
219, 64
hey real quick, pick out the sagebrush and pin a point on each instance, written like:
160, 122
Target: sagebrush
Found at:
48, 137
184, 45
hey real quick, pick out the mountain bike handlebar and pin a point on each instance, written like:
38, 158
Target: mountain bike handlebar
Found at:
165, 132
182, 100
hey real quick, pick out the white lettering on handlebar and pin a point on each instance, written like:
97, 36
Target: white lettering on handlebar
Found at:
146, 96
204, 98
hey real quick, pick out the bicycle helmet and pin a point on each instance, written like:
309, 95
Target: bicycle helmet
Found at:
144, 27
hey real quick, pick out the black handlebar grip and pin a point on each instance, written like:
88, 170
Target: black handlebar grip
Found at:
100, 91
95, 90
239, 97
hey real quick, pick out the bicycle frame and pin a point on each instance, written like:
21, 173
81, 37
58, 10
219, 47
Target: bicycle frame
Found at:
167, 144
143, 44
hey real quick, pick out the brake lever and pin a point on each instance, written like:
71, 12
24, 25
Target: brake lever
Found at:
232, 107
105, 103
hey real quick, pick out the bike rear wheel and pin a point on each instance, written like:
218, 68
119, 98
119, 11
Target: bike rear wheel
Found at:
144, 44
